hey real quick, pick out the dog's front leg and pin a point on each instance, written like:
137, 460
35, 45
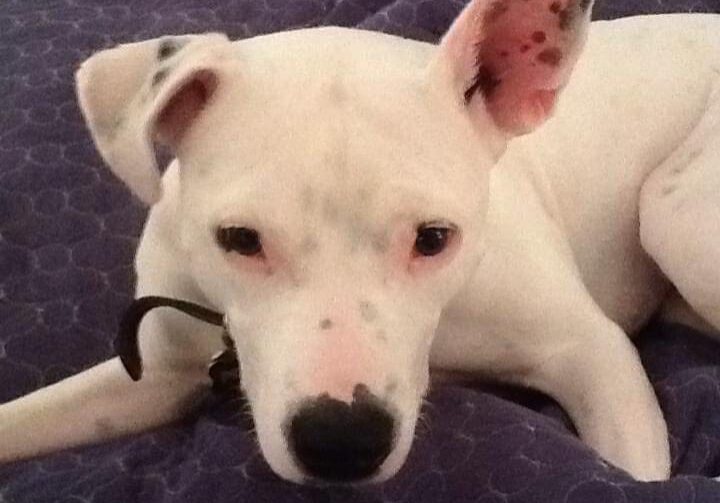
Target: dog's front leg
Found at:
99, 404
527, 317
600, 381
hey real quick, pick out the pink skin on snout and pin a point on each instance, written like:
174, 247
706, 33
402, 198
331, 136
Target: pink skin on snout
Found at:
341, 360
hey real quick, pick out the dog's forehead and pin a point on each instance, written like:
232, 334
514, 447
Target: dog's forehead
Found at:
330, 94
313, 52
332, 124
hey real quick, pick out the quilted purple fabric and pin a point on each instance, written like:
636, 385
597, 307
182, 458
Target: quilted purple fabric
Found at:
68, 231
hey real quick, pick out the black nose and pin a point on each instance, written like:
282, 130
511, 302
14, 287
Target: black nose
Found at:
336, 441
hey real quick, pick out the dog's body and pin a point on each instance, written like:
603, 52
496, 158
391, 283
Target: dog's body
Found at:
579, 216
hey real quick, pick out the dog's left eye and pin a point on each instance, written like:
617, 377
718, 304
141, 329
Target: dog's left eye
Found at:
432, 239
241, 240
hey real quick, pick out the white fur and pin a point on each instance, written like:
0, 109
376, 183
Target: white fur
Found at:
336, 156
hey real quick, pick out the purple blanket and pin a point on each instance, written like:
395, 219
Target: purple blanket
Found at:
68, 231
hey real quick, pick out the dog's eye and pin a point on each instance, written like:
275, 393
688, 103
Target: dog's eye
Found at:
240, 240
432, 239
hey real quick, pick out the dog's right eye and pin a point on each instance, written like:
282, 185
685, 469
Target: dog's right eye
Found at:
241, 240
432, 239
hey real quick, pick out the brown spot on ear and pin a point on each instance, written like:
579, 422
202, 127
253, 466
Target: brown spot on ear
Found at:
485, 80
566, 17
551, 56
555, 7
539, 37
497, 9
524, 48
504, 54
326, 324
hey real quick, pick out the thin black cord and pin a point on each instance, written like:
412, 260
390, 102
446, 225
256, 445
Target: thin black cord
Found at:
126, 343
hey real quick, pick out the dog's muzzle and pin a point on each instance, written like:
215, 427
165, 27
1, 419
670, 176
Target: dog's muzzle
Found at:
330, 440
126, 344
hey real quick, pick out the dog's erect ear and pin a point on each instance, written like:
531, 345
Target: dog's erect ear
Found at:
137, 94
510, 58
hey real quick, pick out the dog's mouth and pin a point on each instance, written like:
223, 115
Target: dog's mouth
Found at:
224, 366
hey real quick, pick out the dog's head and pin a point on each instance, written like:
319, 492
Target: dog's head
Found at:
332, 199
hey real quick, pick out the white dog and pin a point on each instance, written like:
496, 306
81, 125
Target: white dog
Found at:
348, 201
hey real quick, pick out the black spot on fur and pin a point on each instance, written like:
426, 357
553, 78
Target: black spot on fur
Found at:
167, 48
159, 76
485, 81
368, 311
170, 46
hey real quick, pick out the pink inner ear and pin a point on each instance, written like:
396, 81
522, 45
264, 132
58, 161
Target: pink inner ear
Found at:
184, 107
524, 58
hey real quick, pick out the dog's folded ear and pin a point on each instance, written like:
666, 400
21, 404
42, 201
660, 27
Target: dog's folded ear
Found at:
137, 94
510, 58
